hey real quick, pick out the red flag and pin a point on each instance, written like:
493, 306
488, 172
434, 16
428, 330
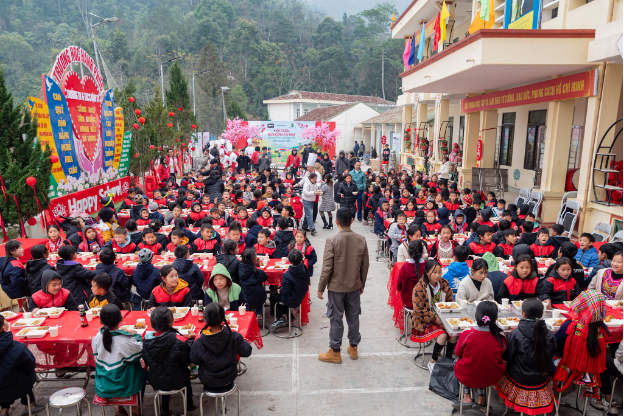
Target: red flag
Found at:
438, 32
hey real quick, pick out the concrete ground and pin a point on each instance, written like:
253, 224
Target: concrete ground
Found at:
286, 378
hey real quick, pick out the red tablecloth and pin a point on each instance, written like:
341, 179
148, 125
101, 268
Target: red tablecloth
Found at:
27, 243
247, 324
394, 297
72, 346
275, 278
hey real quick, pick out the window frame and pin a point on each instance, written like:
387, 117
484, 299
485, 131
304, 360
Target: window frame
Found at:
511, 127
531, 162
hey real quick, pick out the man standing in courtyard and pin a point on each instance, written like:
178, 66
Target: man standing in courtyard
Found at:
345, 268
359, 177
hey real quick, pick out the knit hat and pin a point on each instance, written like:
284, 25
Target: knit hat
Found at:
430, 199
491, 262
153, 206
145, 255
138, 199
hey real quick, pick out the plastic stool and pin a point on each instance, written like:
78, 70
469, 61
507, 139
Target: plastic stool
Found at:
160, 393
71, 396
407, 328
218, 396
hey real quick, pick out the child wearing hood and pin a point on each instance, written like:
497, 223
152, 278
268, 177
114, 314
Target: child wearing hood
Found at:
144, 217
252, 281
102, 294
146, 276
208, 242
411, 271
293, 290
543, 247
36, 265
76, 278
91, 240
121, 242
443, 216
283, 237
196, 215
223, 291
217, 349
264, 219
485, 215
172, 290
459, 224
51, 293
494, 275
189, 271
483, 242
455, 272
265, 246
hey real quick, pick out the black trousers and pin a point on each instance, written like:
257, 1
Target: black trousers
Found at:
605, 377
315, 211
23, 400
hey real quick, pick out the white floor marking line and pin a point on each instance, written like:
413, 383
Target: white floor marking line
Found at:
336, 391
361, 354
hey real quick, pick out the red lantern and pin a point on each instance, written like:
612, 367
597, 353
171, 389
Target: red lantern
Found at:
31, 181
192, 149
193, 126
152, 147
135, 125
137, 112
170, 125
160, 148
32, 221
179, 108
131, 99
142, 120
177, 139
136, 155
171, 113
54, 159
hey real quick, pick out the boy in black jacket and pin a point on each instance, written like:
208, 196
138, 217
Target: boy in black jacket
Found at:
75, 277
146, 276
121, 283
167, 356
36, 265
528, 237
189, 272
293, 290
283, 236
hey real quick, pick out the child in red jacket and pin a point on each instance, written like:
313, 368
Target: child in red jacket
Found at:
505, 250
265, 246
543, 247
483, 242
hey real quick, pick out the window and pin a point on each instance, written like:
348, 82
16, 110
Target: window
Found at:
449, 132
554, 13
533, 145
298, 113
505, 146
305, 111
574, 160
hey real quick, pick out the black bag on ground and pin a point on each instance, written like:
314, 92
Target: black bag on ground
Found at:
443, 381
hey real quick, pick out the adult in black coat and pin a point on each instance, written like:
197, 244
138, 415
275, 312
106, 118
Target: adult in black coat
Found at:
167, 357
214, 185
342, 163
216, 351
327, 164
76, 279
17, 366
244, 162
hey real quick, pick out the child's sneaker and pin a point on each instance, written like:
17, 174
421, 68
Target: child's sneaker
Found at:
278, 323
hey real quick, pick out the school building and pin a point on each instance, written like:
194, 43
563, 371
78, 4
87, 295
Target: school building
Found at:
532, 87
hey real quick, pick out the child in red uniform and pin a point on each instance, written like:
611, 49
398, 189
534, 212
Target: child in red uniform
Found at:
196, 215
158, 198
483, 242
171, 292
302, 244
177, 238
410, 209
150, 241
543, 247
208, 242
558, 286
265, 245
241, 216
265, 220
459, 224
505, 250
216, 220
431, 225
52, 294
453, 203
145, 219
522, 283
129, 201
206, 204
121, 243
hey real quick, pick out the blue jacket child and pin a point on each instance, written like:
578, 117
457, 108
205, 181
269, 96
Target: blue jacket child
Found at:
455, 272
588, 258
14, 282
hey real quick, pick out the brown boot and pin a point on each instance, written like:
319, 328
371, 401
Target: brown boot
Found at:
352, 352
330, 357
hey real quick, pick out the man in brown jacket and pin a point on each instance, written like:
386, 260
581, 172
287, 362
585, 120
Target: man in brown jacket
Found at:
345, 267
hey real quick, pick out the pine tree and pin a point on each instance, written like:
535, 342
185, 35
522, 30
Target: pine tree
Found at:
21, 156
178, 95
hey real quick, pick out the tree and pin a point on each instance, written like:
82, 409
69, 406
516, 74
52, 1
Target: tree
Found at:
20, 159
119, 45
237, 94
327, 34
234, 110
178, 95
243, 40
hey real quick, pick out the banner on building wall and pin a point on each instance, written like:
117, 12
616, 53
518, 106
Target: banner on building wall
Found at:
79, 122
88, 200
522, 14
579, 85
396, 142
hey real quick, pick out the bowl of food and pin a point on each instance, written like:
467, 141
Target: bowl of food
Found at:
615, 304
448, 306
454, 323
178, 316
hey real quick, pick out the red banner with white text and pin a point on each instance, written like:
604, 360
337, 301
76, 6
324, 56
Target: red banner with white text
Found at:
88, 200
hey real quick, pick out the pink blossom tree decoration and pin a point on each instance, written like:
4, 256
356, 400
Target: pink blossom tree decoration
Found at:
238, 130
321, 135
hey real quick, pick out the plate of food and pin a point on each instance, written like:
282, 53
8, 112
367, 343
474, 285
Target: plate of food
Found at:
517, 304
131, 264
162, 263
28, 322
178, 316
611, 322
8, 315
454, 323
49, 312
91, 265
185, 329
95, 311
554, 323
448, 306
32, 332
503, 323
281, 266
615, 304
202, 255
446, 262
513, 321
465, 322
138, 328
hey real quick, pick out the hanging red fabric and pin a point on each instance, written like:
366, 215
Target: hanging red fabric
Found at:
20, 217
3, 188
5, 237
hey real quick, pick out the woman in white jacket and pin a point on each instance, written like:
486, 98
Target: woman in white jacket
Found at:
308, 196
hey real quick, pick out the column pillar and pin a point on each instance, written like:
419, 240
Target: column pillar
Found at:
471, 136
374, 140
488, 121
559, 121
441, 115
421, 117
406, 118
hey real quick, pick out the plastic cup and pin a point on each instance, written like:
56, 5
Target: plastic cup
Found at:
206, 264
54, 331
463, 303
505, 302
89, 317
210, 255
27, 315
194, 311
140, 321
242, 310
233, 321
556, 313
284, 259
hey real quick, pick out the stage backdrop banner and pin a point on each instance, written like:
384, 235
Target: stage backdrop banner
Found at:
124, 160
88, 200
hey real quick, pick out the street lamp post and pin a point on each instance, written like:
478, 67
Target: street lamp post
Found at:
198, 73
102, 21
223, 89
162, 77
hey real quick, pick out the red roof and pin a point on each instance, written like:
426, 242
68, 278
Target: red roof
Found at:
326, 96
325, 113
